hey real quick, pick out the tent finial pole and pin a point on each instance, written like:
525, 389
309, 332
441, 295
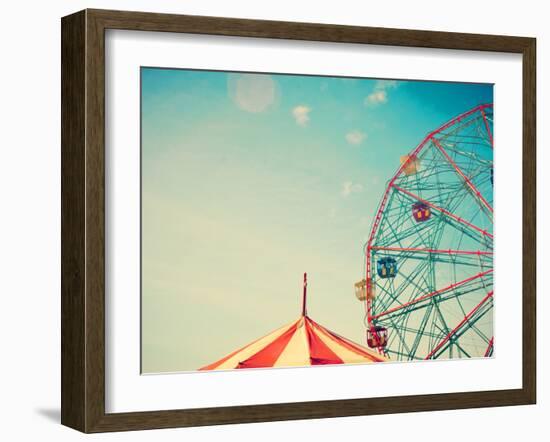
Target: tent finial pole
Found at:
304, 299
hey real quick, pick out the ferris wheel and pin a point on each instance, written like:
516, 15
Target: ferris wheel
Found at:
428, 291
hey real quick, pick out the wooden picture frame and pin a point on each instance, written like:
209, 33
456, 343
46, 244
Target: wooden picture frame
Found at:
83, 220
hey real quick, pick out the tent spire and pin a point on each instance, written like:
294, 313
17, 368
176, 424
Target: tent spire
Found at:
304, 299
303, 342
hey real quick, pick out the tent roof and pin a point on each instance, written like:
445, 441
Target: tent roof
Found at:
303, 342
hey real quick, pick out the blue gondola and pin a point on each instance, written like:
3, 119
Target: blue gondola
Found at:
386, 267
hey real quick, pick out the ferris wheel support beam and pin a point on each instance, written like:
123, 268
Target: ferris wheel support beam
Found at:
443, 211
471, 323
432, 294
435, 251
489, 347
467, 180
487, 128
455, 330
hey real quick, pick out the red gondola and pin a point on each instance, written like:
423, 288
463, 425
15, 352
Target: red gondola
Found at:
421, 212
377, 336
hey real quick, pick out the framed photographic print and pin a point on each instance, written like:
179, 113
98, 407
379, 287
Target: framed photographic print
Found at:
272, 220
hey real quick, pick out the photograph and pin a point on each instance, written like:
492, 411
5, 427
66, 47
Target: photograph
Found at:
292, 220
250, 221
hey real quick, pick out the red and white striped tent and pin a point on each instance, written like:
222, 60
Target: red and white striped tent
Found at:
303, 342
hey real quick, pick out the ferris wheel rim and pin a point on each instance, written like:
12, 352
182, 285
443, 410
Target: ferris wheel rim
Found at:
415, 152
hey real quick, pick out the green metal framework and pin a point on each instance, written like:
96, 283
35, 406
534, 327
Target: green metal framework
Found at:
440, 302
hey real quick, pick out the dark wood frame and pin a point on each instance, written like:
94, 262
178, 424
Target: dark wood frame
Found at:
83, 218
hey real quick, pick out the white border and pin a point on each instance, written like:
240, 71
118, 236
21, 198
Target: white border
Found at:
127, 390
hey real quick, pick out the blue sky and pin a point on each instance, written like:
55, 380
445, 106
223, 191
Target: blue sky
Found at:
248, 181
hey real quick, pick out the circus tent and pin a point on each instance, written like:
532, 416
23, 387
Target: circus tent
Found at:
303, 342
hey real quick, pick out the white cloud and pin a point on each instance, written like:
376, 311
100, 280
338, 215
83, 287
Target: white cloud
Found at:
350, 187
355, 137
252, 92
301, 114
379, 95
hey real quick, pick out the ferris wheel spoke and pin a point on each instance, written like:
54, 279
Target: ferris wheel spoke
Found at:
483, 288
418, 331
399, 334
400, 354
440, 299
394, 294
446, 329
467, 258
484, 241
397, 238
452, 344
487, 128
421, 234
461, 349
459, 326
489, 350
472, 326
447, 213
422, 331
434, 251
434, 293
464, 261
473, 189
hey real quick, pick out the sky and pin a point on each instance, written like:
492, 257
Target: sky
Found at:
250, 180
